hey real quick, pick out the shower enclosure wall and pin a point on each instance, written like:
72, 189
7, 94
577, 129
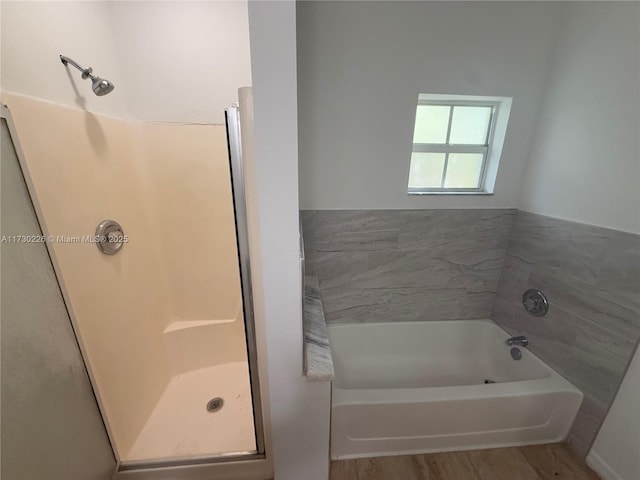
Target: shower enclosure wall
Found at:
161, 323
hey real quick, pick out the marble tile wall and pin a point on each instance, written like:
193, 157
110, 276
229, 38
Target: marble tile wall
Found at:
591, 277
318, 363
406, 265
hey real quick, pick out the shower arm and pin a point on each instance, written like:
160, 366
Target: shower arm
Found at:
86, 72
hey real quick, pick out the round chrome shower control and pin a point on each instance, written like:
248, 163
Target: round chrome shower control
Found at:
109, 237
535, 302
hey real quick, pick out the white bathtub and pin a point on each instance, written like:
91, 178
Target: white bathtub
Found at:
417, 387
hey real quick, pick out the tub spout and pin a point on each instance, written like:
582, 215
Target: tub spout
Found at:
519, 340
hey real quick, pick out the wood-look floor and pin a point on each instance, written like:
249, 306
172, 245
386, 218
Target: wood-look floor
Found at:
536, 462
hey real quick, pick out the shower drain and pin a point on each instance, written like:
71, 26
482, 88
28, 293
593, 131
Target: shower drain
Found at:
214, 404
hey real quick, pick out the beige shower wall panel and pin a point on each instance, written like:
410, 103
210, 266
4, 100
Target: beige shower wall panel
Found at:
83, 170
189, 178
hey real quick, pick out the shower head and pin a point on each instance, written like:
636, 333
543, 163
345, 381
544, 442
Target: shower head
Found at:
100, 86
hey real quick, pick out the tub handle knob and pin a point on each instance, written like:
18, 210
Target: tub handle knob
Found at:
535, 302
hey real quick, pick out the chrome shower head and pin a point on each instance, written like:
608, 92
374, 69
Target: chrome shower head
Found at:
100, 86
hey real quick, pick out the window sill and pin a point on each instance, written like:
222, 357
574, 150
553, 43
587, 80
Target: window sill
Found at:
449, 193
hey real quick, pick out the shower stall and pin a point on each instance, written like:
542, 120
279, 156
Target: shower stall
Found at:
146, 229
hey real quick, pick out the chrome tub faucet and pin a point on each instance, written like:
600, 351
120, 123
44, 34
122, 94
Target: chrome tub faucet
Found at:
520, 340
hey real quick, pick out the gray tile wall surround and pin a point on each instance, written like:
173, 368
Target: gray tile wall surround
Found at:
591, 276
397, 265
406, 265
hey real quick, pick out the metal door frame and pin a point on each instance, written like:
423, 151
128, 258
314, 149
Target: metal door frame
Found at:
234, 135
192, 468
5, 112
216, 464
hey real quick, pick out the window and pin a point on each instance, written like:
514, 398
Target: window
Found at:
453, 144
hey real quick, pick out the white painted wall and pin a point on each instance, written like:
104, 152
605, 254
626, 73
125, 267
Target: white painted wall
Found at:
361, 66
182, 60
34, 34
615, 454
299, 409
174, 61
585, 163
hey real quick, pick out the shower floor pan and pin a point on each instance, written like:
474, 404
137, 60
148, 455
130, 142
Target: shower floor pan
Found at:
180, 427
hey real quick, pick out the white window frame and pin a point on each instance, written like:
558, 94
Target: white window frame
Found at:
491, 150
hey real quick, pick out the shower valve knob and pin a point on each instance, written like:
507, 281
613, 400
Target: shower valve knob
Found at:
110, 237
535, 302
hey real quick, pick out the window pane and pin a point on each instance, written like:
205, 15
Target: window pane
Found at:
469, 125
426, 170
432, 122
463, 170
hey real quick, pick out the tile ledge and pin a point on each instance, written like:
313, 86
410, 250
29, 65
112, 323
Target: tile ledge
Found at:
318, 363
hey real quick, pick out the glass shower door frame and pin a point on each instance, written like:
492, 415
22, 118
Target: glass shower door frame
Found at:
250, 464
5, 114
227, 464
234, 135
